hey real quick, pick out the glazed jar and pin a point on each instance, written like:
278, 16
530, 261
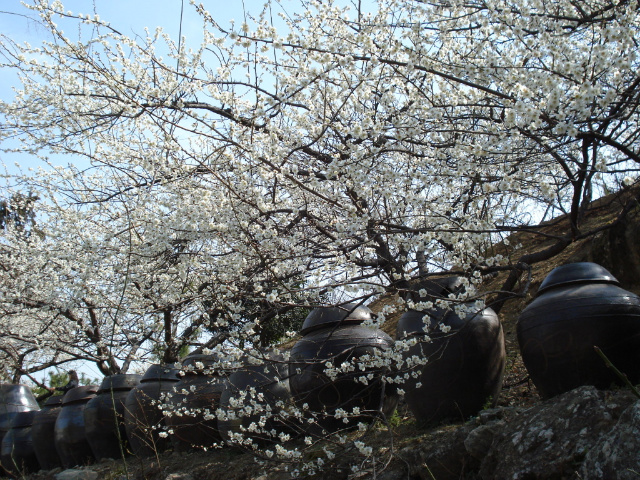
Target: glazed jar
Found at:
13, 399
454, 365
190, 412
18, 455
255, 403
143, 418
69, 432
333, 336
42, 431
579, 306
104, 416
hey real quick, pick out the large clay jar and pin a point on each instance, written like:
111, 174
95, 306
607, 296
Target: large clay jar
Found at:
143, 417
191, 406
69, 432
255, 404
579, 306
14, 399
42, 431
18, 455
455, 365
333, 336
104, 416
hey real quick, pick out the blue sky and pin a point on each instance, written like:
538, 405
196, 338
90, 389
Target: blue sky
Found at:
130, 17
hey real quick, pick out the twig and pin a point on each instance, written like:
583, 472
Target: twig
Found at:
618, 373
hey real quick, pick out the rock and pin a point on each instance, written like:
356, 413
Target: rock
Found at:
551, 439
76, 474
443, 455
478, 443
617, 453
178, 476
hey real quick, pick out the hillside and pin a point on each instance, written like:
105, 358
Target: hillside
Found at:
493, 445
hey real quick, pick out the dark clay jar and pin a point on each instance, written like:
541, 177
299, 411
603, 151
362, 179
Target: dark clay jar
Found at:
143, 418
265, 389
579, 306
104, 416
465, 363
191, 406
69, 432
42, 431
335, 335
13, 399
18, 456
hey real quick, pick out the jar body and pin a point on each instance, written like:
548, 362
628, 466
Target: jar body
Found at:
313, 389
264, 390
104, 416
191, 411
465, 360
558, 330
143, 418
43, 433
69, 431
18, 455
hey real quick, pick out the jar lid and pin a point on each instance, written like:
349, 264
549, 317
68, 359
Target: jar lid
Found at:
122, 381
80, 394
575, 273
199, 363
161, 372
16, 397
54, 401
323, 317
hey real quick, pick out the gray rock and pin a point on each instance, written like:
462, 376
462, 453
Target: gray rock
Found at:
617, 453
552, 439
76, 474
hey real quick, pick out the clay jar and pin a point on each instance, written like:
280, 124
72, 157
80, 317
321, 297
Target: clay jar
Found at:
264, 388
579, 306
18, 456
143, 418
69, 433
333, 336
13, 399
42, 431
104, 416
465, 359
191, 406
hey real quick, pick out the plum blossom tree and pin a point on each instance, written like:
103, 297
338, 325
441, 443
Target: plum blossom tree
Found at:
363, 148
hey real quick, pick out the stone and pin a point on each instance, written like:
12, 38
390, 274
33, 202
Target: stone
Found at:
552, 438
617, 453
76, 474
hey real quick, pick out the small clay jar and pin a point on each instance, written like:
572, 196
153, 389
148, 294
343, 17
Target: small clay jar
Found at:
191, 405
333, 336
42, 431
143, 417
579, 306
104, 416
465, 359
17, 454
255, 402
69, 432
